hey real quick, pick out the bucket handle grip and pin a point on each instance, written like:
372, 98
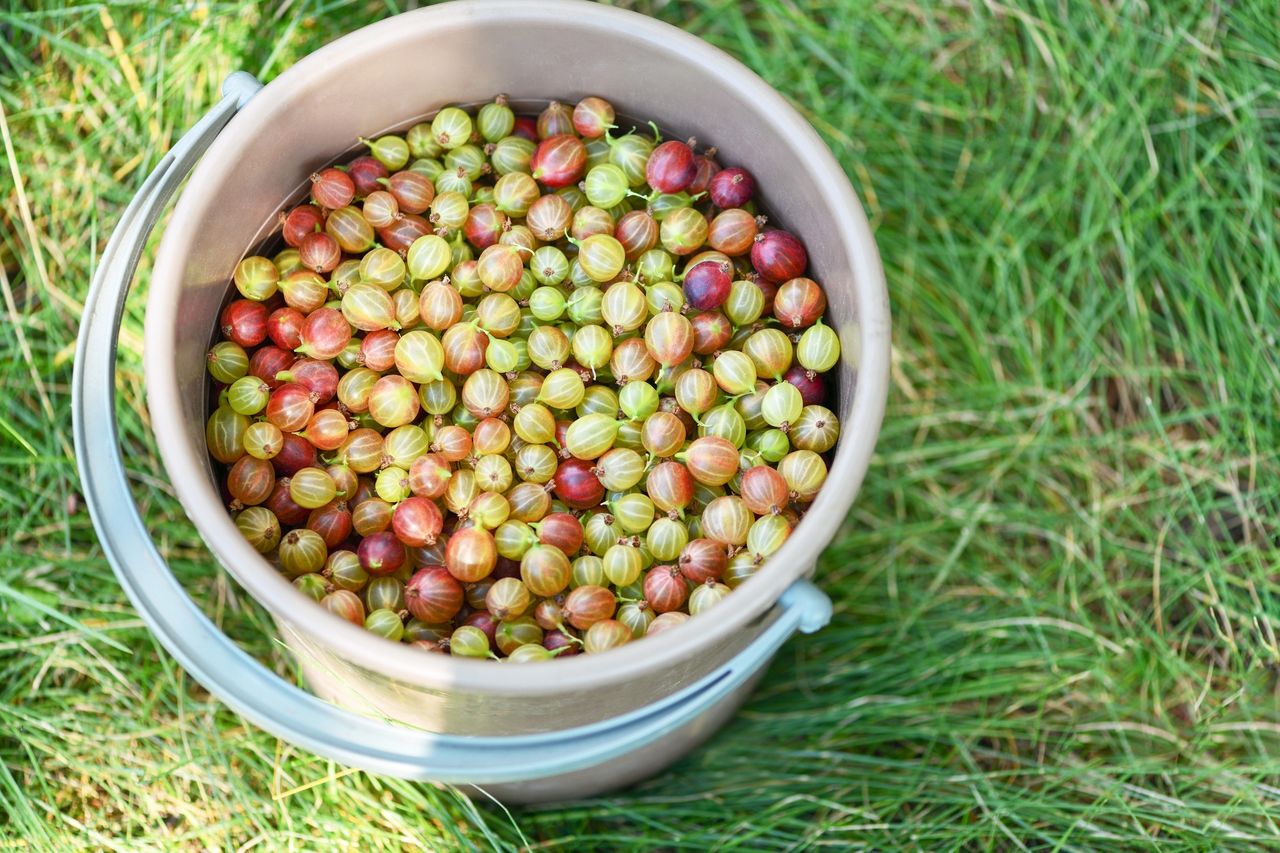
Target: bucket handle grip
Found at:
239, 680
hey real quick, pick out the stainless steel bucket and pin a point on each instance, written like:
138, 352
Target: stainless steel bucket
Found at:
557, 730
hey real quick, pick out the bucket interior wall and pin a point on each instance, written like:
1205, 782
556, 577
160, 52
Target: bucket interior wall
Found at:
384, 83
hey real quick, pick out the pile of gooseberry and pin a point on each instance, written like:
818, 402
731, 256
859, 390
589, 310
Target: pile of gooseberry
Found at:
520, 387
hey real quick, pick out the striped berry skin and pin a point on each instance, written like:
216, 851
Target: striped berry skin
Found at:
665, 588
706, 286
671, 167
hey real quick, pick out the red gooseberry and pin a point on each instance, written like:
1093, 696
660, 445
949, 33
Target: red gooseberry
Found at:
302, 220
332, 521
366, 174
526, 128
282, 506
290, 407
319, 252
332, 188
485, 622
328, 429
732, 187
324, 334
711, 331
576, 485
417, 521
470, 554
779, 255
433, 595
412, 191
562, 530
429, 476
267, 362
318, 377
295, 454
702, 560
284, 327
733, 232
378, 349
399, 235
711, 460
381, 554
706, 169
251, 480
592, 117
811, 385
559, 642
799, 302
665, 588
559, 160
345, 604
707, 284
244, 322
637, 231
588, 604
764, 490
670, 486
554, 120
671, 167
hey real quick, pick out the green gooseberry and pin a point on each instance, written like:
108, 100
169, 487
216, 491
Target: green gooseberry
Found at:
638, 400
819, 348
664, 296
248, 395
422, 142
549, 265
451, 128
390, 150
591, 436
655, 265
495, 120
606, 185
634, 512
745, 303
227, 361
392, 484
257, 278
501, 355
562, 389
771, 443
470, 642
512, 154
631, 153
598, 399
385, 623
428, 167
547, 304
584, 306
592, 346
723, 421
467, 158
782, 405
734, 372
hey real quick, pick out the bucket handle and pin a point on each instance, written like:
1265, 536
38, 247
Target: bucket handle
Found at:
238, 679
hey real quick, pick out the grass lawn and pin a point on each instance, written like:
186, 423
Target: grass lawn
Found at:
1056, 598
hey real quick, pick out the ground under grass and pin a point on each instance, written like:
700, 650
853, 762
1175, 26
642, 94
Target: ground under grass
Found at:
1056, 598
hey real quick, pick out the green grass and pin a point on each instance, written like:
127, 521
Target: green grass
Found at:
1056, 598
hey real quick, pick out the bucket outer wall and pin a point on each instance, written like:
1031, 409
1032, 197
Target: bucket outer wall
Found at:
628, 769
383, 77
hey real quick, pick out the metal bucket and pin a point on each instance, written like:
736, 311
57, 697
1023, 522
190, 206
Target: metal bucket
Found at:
556, 730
